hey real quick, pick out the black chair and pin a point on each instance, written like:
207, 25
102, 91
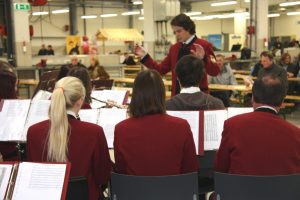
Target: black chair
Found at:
206, 172
241, 187
102, 84
47, 82
77, 189
176, 187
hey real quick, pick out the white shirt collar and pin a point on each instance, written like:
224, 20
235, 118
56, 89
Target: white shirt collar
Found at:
189, 40
70, 112
190, 90
269, 107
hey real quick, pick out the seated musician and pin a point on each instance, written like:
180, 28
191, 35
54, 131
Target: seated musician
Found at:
64, 138
189, 70
8, 90
150, 142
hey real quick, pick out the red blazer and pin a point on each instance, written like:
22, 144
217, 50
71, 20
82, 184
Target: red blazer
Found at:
154, 145
169, 63
87, 152
86, 106
259, 143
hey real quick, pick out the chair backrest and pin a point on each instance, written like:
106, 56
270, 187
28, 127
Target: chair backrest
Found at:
102, 84
47, 81
241, 187
77, 189
176, 187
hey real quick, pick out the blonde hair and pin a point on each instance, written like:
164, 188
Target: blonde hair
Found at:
67, 92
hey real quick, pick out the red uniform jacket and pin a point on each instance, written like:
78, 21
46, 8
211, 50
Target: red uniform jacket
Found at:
169, 63
259, 143
87, 152
154, 145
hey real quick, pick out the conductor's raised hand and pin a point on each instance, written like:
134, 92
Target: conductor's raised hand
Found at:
139, 51
199, 51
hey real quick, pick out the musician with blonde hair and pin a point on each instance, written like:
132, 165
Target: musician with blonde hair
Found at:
64, 138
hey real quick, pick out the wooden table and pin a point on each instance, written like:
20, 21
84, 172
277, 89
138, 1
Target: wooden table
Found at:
27, 83
131, 80
240, 88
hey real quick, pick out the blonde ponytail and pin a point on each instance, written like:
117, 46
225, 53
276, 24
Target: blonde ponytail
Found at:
66, 93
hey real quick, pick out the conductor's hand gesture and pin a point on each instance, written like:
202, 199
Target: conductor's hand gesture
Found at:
198, 52
139, 51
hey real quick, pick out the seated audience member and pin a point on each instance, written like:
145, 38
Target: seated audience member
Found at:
226, 77
43, 51
83, 75
256, 69
261, 142
190, 70
286, 63
66, 68
8, 90
50, 50
96, 70
150, 142
128, 59
64, 138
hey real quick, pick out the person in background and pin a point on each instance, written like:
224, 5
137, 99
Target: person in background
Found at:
8, 90
75, 50
97, 71
128, 60
149, 126
286, 62
83, 74
190, 71
66, 68
64, 138
226, 77
187, 43
43, 51
50, 50
261, 143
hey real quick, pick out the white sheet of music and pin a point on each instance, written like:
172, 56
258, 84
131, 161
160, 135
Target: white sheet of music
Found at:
42, 95
13, 118
233, 111
114, 95
192, 117
38, 112
5, 170
213, 127
36, 181
108, 119
89, 115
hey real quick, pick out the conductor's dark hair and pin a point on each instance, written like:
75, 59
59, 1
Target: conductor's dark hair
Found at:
185, 22
269, 90
148, 94
189, 70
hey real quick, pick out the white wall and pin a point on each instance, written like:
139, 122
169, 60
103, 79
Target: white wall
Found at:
215, 26
286, 25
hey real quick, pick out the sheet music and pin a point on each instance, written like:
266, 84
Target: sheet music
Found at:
5, 171
108, 119
38, 112
192, 118
13, 118
114, 95
36, 181
42, 95
213, 127
89, 115
233, 111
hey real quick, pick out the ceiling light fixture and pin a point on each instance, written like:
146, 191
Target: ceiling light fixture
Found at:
193, 13
108, 15
292, 3
273, 15
88, 17
137, 2
224, 3
141, 18
131, 13
60, 11
40, 13
293, 13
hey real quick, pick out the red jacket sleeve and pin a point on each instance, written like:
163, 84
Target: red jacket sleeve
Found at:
120, 165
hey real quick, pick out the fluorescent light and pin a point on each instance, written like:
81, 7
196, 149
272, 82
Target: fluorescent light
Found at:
282, 8
88, 17
136, 2
141, 18
131, 13
247, 1
40, 13
293, 13
108, 15
193, 13
224, 3
60, 11
292, 3
273, 15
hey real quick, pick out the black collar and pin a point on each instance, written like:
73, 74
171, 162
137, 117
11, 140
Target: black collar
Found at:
268, 110
72, 117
